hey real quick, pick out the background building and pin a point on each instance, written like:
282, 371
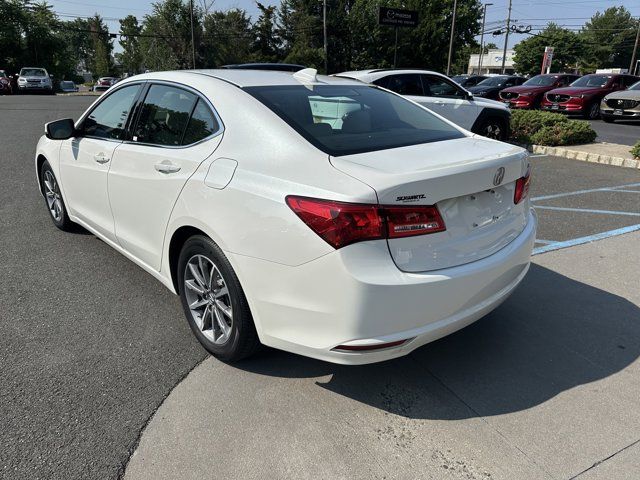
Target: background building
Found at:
491, 62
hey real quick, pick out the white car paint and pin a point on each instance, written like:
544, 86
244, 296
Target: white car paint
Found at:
306, 296
461, 111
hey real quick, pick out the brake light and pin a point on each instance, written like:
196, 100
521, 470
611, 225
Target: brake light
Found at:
522, 187
341, 224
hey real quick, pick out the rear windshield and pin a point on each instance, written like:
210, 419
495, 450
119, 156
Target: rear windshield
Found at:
343, 120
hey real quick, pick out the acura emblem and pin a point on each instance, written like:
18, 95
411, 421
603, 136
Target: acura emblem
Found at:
498, 177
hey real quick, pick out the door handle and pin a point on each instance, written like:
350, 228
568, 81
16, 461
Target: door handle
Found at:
101, 158
167, 167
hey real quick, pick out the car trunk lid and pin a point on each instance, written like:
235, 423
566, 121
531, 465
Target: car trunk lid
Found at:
472, 182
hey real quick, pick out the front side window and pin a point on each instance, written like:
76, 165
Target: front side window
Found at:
437, 87
344, 120
108, 120
404, 84
164, 116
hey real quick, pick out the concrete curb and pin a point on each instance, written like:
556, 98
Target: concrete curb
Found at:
568, 152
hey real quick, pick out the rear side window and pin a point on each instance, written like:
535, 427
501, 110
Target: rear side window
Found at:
344, 119
164, 116
108, 120
201, 124
404, 84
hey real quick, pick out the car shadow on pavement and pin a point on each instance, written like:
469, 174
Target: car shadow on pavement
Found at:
551, 335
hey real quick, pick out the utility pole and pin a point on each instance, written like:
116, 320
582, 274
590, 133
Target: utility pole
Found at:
324, 28
453, 27
193, 42
484, 17
506, 38
632, 65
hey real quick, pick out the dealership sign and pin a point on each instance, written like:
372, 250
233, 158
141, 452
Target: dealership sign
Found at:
547, 59
395, 17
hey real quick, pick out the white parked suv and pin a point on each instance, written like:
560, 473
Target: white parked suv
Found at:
444, 97
314, 214
34, 79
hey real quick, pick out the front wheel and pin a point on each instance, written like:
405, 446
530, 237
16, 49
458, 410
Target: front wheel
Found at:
214, 302
493, 128
53, 198
592, 112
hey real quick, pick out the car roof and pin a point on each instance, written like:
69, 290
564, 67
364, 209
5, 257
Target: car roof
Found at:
362, 73
244, 78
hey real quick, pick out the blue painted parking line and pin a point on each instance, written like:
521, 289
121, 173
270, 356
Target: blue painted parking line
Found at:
588, 239
587, 210
580, 192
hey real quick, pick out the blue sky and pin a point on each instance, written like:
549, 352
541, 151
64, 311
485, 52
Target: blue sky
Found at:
569, 13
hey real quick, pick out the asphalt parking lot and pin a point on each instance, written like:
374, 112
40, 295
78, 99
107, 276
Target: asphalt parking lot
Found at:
90, 346
623, 133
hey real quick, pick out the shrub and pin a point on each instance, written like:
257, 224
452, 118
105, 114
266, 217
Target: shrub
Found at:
525, 123
635, 151
551, 129
571, 132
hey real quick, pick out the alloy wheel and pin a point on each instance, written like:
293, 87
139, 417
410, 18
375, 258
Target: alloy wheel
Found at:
52, 194
492, 130
594, 111
208, 298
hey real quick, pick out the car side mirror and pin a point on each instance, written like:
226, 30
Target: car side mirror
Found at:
60, 129
468, 96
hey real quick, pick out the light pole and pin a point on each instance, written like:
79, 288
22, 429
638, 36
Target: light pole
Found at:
193, 42
484, 17
453, 27
324, 29
506, 39
635, 50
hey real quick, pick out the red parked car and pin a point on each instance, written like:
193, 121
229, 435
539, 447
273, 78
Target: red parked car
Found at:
5, 84
583, 96
531, 92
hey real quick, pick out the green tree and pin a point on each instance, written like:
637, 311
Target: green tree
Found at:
568, 50
100, 63
228, 38
166, 41
131, 55
266, 43
609, 38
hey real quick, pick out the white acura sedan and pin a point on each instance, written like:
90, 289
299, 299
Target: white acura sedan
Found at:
313, 214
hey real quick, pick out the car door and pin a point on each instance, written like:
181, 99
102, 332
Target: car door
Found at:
449, 100
176, 130
86, 158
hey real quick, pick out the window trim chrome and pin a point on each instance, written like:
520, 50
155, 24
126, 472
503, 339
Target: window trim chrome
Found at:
200, 96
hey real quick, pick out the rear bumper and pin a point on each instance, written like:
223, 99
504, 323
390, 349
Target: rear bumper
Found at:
357, 296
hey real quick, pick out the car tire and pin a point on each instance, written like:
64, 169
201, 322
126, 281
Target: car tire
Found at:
592, 112
607, 118
214, 301
494, 127
53, 199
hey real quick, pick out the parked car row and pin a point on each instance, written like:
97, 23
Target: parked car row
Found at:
572, 94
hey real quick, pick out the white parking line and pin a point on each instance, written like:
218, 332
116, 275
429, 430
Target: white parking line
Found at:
620, 190
580, 192
587, 210
588, 239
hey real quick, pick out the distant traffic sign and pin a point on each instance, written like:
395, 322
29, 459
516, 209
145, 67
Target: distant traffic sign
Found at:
395, 17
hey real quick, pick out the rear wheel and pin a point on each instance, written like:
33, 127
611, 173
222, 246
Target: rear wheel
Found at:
495, 128
53, 198
214, 302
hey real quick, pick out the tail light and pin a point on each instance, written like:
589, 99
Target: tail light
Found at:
522, 187
341, 224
